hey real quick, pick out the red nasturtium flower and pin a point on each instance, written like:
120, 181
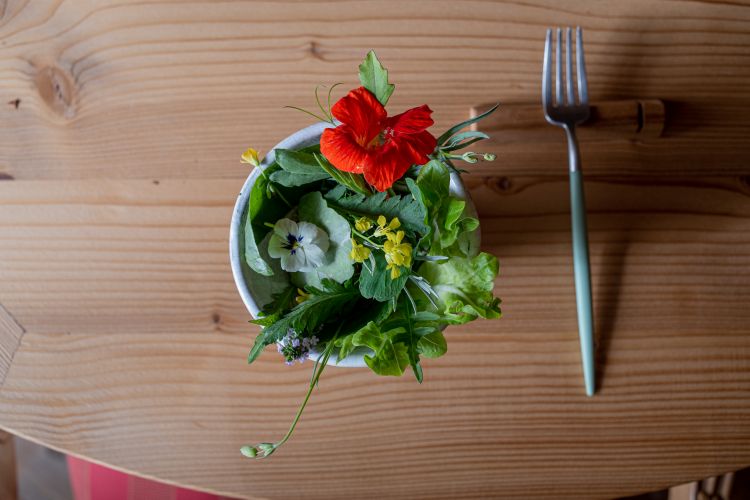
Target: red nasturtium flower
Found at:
370, 142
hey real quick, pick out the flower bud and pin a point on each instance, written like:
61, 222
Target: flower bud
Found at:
249, 451
469, 157
250, 156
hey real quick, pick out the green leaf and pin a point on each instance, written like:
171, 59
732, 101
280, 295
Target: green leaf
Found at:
408, 210
367, 311
388, 358
265, 288
452, 212
448, 133
432, 345
463, 139
339, 265
324, 303
375, 281
445, 212
434, 180
464, 287
411, 338
298, 168
274, 310
250, 248
374, 77
355, 182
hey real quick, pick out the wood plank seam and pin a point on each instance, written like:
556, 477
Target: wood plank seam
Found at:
11, 333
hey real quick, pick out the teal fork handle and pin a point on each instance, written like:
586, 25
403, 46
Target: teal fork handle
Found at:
583, 280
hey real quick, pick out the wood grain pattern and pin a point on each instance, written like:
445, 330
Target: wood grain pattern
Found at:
10, 337
158, 89
119, 166
152, 377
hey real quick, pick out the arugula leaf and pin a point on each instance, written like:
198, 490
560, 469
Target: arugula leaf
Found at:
298, 168
375, 281
408, 210
374, 77
273, 311
324, 303
464, 287
411, 339
388, 358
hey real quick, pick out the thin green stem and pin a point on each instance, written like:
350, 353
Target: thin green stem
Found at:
264, 450
313, 383
330, 90
365, 238
309, 113
317, 99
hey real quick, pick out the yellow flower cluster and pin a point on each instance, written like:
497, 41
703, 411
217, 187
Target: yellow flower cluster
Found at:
397, 254
384, 229
397, 251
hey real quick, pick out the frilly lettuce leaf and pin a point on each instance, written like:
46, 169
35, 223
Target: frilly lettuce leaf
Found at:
388, 358
464, 286
449, 226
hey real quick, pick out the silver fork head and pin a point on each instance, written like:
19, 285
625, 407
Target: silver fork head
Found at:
564, 110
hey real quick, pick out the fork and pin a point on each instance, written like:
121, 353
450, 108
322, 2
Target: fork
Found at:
565, 112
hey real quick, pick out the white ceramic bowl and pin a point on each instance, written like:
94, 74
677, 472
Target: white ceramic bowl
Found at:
244, 277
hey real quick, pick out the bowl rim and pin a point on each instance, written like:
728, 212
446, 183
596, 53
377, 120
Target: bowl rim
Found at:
302, 138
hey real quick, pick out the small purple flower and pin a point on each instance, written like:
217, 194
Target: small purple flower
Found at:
294, 347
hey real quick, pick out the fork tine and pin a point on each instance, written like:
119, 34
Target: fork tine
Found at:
569, 69
547, 72
558, 68
583, 88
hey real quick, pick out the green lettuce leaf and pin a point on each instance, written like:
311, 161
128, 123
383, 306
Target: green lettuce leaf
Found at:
388, 358
464, 286
446, 213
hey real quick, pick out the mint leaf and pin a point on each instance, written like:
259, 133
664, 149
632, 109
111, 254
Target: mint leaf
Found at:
374, 77
298, 168
408, 210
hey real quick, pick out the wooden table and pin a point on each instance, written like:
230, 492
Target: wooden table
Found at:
123, 339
